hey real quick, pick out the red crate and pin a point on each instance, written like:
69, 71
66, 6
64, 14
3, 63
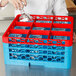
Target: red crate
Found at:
50, 52
41, 32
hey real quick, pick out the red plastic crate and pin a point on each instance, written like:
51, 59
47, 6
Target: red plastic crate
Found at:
50, 52
42, 32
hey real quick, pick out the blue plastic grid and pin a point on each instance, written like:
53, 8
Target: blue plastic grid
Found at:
50, 56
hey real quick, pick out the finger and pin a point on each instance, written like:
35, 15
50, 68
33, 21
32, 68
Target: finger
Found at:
24, 1
15, 5
74, 39
20, 4
74, 34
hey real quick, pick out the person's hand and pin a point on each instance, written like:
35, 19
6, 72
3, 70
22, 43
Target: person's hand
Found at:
3, 3
18, 4
74, 37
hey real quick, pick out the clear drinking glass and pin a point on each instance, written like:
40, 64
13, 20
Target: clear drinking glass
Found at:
24, 16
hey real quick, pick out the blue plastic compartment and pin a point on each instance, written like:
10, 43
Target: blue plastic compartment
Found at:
21, 27
40, 28
60, 37
40, 21
18, 35
39, 36
48, 56
62, 22
60, 29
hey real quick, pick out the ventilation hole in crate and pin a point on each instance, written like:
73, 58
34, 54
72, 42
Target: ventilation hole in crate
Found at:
54, 42
41, 28
18, 45
36, 51
49, 52
49, 59
31, 46
36, 41
63, 42
38, 28
27, 55
44, 56
27, 46
32, 51
62, 57
40, 58
40, 46
22, 39
45, 17
39, 36
21, 27
10, 39
22, 50
53, 52
58, 53
27, 50
50, 41
58, 59
15, 56
10, 54
38, 17
28, 40
54, 47
10, 57
45, 47
32, 58
22, 45
13, 50
60, 48
10, 50
18, 40
60, 37
60, 29
62, 22
63, 48
54, 57
19, 56
23, 57
49, 47
12, 45
51, 17
44, 52
40, 51
62, 53
36, 57
59, 18
27, 58
35, 46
